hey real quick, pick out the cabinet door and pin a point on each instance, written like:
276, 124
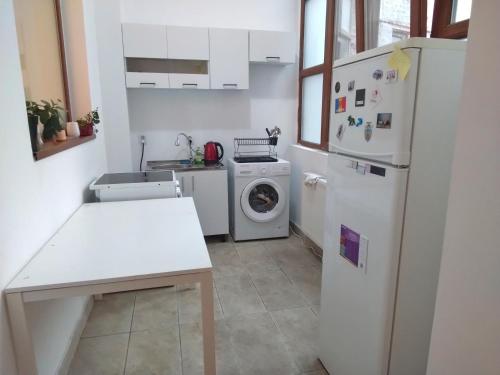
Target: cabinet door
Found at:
228, 59
187, 43
147, 80
185, 183
189, 81
141, 40
272, 47
211, 200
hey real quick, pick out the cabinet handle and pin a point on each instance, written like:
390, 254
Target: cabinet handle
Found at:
147, 83
192, 182
273, 58
229, 85
190, 85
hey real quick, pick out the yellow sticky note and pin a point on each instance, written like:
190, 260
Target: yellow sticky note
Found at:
401, 61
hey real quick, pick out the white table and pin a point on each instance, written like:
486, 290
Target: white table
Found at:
115, 247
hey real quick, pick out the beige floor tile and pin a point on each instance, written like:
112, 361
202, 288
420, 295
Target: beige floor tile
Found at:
155, 309
238, 295
280, 243
308, 281
276, 291
226, 261
192, 350
259, 346
253, 252
112, 314
294, 257
104, 355
154, 352
315, 309
300, 329
189, 303
318, 372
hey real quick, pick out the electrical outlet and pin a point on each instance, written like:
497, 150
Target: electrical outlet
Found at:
143, 139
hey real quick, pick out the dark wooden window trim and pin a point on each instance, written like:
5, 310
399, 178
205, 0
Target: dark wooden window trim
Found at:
418, 18
441, 22
325, 69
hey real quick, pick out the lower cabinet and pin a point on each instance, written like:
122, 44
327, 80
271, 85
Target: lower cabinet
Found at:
209, 191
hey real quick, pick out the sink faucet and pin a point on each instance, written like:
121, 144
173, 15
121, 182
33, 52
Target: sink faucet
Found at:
190, 143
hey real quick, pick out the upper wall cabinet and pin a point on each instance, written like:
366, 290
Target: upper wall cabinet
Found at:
272, 47
228, 59
187, 43
145, 41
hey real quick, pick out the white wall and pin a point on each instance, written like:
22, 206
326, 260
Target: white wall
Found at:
466, 331
307, 204
36, 199
214, 115
114, 95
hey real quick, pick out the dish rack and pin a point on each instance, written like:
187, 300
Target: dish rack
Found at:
255, 147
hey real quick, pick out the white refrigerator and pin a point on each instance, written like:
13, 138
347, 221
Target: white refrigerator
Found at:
391, 145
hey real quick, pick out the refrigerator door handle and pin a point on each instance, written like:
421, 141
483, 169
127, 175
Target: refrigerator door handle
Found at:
364, 154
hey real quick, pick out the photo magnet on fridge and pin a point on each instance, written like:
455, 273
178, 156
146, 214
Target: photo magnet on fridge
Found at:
350, 85
340, 104
384, 120
337, 86
349, 244
391, 76
378, 74
360, 98
340, 132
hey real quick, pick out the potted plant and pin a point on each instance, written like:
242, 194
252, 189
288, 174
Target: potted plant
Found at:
87, 123
32, 110
50, 116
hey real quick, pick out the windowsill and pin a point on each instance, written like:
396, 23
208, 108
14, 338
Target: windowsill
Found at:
52, 148
310, 149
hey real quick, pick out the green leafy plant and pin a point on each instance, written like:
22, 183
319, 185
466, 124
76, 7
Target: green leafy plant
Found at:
50, 115
91, 118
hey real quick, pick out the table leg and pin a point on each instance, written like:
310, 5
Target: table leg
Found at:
207, 316
23, 345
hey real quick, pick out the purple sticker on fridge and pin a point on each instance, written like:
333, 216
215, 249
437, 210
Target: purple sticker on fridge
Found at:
349, 244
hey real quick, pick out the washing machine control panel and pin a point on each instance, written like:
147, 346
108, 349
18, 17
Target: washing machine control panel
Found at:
262, 169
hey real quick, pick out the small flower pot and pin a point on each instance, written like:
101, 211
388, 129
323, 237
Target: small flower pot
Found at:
87, 130
61, 136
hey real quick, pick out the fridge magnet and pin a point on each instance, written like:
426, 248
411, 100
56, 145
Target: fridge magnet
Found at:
391, 76
340, 104
340, 132
368, 131
360, 98
375, 96
378, 74
349, 244
351, 120
350, 85
384, 120
337, 86
359, 122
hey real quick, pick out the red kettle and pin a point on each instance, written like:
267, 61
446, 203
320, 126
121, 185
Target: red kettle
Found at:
213, 153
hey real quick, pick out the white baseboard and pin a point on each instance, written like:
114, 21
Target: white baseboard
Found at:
318, 251
63, 367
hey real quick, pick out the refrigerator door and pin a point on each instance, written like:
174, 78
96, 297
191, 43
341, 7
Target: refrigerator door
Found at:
363, 227
381, 105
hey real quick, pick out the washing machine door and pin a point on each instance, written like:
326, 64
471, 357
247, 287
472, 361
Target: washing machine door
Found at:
262, 200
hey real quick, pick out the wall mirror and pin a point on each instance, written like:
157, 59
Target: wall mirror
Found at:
40, 33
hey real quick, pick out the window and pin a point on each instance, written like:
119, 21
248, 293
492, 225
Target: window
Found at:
451, 19
315, 72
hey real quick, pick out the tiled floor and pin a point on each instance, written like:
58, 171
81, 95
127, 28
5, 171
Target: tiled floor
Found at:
266, 305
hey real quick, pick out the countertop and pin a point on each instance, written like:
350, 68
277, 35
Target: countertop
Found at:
157, 165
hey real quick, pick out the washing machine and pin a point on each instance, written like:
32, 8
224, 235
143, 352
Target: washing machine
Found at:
259, 196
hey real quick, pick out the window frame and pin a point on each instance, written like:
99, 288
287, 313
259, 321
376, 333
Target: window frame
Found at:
325, 68
442, 27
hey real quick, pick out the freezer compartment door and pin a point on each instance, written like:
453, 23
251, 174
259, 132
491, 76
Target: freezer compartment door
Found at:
372, 112
363, 226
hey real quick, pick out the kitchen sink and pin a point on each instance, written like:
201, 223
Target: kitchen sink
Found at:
175, 165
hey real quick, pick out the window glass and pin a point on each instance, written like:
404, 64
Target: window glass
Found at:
430, 14
460, 10
312, 101
345, 30
394, 21
314, 32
